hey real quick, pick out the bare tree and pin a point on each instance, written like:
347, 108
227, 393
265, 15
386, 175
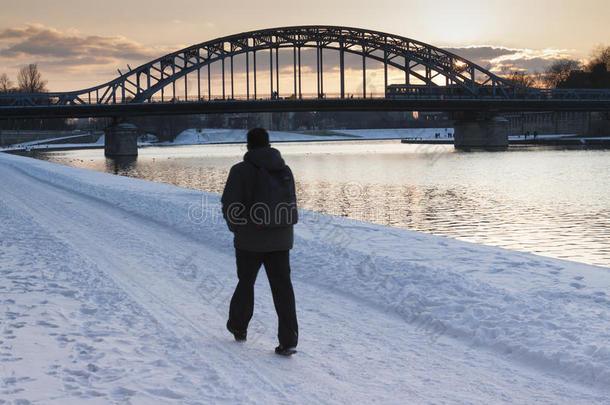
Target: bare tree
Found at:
559, 71
521, 79
6, 85
30, 80
599, 56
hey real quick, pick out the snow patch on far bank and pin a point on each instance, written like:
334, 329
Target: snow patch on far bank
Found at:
212, 135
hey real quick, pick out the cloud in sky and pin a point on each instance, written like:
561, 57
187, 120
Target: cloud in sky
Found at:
68, 53
501, 59
86, 60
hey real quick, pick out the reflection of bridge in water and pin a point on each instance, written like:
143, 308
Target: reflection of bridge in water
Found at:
432, 80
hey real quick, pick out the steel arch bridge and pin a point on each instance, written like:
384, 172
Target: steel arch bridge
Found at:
429, 72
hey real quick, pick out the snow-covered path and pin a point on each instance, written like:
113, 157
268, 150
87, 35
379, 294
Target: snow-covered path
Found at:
111, 292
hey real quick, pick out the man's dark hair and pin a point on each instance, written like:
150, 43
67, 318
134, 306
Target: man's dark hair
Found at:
258, 138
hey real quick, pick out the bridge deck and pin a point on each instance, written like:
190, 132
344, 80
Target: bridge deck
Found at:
242, 106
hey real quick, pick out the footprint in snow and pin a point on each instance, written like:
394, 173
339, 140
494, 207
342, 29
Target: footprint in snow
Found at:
88, 311
69, 293
123, 394
159, 363
47, 324
165, 393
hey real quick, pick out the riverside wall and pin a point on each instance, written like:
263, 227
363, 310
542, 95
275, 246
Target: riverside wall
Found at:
573, 123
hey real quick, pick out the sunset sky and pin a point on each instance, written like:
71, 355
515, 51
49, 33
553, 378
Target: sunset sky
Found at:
79, 43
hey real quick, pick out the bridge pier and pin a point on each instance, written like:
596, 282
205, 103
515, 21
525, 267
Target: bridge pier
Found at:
489, 133
599, 124
121, 140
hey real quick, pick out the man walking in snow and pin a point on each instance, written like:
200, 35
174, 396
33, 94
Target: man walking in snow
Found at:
259, 205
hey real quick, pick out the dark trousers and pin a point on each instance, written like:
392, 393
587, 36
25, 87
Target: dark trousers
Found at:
277, 266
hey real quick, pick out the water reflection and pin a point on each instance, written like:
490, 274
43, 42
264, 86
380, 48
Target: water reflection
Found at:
540, 200
122, 165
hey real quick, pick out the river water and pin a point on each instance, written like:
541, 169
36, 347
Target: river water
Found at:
552, 202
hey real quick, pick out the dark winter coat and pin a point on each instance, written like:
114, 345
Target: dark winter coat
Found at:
239, 189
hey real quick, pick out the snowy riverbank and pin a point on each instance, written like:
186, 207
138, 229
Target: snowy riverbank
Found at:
204, 136
116, 289
212, 135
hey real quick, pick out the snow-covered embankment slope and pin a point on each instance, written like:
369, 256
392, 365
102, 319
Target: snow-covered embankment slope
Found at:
116, 289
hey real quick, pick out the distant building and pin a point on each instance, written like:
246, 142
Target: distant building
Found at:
597, 78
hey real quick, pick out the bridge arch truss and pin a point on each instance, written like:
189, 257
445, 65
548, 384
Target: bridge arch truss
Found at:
423, 63
418, 60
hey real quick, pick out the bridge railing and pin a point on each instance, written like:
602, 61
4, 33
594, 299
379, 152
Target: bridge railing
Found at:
581, 94
437, 93
455, 92
49, 99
